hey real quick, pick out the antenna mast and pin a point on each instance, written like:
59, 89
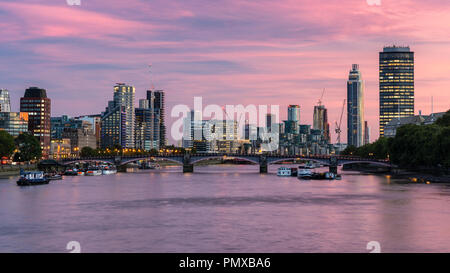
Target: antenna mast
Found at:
152, 86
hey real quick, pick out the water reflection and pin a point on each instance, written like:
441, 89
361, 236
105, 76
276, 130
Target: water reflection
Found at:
224, 209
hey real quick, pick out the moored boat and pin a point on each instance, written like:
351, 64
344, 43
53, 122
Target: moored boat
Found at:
71, 172
304, 174
93, 172
32, 178
106, 170
53, 176
284, 171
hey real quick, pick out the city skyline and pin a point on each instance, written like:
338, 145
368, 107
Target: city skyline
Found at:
298, 62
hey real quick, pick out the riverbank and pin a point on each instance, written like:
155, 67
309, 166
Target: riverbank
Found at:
9, 170
420, 177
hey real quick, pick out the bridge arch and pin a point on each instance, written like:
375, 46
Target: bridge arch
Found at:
321, 161
199, 159
65, 163
175, 160
378, 163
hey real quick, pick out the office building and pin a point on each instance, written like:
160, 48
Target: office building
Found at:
38, 107
14, 123
95, 121
147, 126
320, 121
118, 119
396, 84
366, 133
355, 108
5, 102
60, 149
294, 113
156, 99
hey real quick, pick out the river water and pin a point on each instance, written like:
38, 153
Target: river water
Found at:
224, 208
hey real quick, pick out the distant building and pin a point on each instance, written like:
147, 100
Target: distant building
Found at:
80, 137
5, 102
38, 107
396, 84
14, 123
366, 133
294, 113
270, 120
60, 149
320, 121
355, 108
211, 135
118, 120
95, 120
58, 124
147, 132
393, 125
156, 100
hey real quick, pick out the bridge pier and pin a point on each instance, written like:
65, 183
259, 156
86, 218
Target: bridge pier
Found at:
333, 165
121, 168
188, 168
263, 164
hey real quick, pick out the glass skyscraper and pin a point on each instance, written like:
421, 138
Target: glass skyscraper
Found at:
396, 84
355, 108
118, 120
294, 113
5, 104
157, 102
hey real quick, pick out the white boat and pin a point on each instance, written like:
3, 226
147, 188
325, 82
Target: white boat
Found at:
284, 171
107, 171
93, 172
304, 174
80, 173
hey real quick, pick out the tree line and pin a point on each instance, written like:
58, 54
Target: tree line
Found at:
24, 148
412, 146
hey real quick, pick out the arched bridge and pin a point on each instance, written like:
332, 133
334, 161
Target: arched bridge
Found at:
263, 160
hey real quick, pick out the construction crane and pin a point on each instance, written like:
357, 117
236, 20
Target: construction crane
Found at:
338, 126
321, 97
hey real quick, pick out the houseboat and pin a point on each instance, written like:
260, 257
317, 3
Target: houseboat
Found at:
32, 178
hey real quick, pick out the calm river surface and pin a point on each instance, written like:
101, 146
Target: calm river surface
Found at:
224, 209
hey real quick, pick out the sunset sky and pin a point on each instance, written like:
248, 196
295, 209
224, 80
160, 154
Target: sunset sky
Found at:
229, 52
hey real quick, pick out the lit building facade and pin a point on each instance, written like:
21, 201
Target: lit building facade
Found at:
355, 108
396, 84
147, 126
38, 107
14, 123
95, 120
294, 113
118, 121
156, 99
320, 121
5, 102
60, 149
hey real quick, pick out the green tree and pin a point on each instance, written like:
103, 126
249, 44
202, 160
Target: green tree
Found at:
7, 144
444, 120
87, 152
29, 148
350, 150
